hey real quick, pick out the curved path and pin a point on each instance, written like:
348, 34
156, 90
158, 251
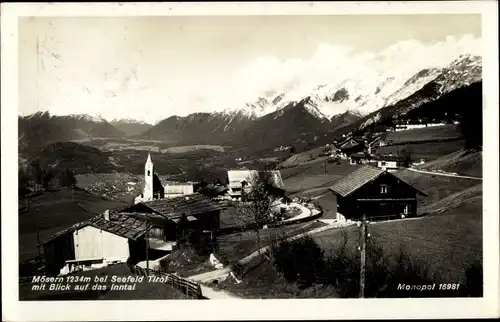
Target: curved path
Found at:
445, 174
304, 212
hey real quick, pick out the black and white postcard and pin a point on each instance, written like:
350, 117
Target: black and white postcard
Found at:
332, 154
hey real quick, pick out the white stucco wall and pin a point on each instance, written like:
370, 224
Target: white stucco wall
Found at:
94, 243
179, 189
387, 165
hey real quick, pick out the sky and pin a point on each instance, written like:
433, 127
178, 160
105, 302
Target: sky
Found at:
150, 68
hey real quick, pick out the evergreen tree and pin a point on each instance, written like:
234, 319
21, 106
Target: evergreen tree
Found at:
68, 178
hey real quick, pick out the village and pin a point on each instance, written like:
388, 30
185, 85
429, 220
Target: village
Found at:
166, 215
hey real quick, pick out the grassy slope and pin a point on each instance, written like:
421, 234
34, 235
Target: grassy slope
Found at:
462, 162
436, 187
57, 210
238, 245
143, 290
443, 140
261, 281
449, 131
448, 239
447, 243
310, 178
427, 151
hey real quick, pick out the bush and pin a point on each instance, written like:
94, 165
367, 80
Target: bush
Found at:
473, 285
302, 261
299, 260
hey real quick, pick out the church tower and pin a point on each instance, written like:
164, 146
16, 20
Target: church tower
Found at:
148, 179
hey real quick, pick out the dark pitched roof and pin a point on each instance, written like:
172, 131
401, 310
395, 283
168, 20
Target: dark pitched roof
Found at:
360, 155
119, 224
122, 225
356, 180
352, 138
192, 204
390, 158
360, 177
375, 140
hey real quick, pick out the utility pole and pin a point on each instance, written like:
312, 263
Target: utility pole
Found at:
364, 234
38, 233
147, 244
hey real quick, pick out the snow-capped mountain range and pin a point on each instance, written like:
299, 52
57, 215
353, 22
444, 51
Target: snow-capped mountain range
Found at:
363, 96
280, 118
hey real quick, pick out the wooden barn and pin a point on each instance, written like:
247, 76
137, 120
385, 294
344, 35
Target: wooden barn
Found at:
104, 239
352, 145
376, 193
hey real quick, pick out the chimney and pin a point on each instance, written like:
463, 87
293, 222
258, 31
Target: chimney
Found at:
106, 215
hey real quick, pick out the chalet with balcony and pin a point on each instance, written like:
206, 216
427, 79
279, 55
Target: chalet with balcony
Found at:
376, 193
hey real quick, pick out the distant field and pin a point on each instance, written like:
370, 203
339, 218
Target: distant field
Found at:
449, 131
56, 210
427, 150
189, 148
143, 291
114, 185
303, 158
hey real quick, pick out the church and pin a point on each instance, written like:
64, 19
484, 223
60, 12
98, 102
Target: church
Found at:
154, 189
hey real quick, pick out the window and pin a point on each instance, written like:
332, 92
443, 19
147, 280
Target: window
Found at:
149, 173
383, 163
384, 189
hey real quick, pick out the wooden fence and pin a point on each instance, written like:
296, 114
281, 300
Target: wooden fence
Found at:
189, 288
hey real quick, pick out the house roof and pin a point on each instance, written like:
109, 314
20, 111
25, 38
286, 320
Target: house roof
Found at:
349, 139
356, 180
359, 178
192, 204
122, 225
360, 155
118, 224
390, 158
375, 140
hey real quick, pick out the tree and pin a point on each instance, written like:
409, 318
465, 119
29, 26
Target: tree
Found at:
36, 171
254, 210
40, 175
47, 176
406, 153
23, 179
68, 178
471, 127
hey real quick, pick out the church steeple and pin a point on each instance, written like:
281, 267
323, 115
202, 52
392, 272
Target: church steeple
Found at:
148, 178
